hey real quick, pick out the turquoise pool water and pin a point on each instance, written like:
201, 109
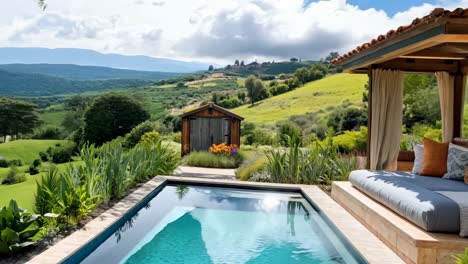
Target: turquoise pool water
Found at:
197, 224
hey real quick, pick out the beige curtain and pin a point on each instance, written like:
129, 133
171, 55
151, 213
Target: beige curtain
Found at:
387, 119
446, 90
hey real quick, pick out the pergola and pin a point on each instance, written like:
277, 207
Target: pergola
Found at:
436, 43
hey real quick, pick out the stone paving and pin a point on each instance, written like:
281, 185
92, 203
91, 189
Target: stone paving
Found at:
205, 173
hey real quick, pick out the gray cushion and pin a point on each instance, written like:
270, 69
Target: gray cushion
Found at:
414, 197
456, 162
418, 158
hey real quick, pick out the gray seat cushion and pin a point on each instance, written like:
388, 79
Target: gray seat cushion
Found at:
414, 197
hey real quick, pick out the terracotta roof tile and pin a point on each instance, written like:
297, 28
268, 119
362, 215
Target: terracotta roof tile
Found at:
432, 17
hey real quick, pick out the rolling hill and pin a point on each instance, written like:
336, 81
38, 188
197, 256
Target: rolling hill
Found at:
31, 85
77, 72
312, 97
94, 58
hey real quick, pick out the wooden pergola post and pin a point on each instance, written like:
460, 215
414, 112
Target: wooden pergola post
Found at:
369, 117
458, 102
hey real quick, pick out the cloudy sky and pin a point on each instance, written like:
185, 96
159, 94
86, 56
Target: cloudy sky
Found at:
216, 31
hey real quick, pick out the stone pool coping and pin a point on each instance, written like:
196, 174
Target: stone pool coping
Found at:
370, 247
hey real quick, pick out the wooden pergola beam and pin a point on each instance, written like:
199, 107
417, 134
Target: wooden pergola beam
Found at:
458, 101
419, 65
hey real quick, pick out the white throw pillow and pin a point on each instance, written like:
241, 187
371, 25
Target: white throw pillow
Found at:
418, 158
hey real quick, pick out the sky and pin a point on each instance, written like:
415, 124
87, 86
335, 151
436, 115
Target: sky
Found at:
213, 31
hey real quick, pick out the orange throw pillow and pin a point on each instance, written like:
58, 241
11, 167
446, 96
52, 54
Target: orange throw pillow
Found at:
435, 158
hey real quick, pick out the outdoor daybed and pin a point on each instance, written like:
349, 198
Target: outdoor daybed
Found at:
414, 197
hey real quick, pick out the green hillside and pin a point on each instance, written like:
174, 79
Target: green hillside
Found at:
312, 97
26, 150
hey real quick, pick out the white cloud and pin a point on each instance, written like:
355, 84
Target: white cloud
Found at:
213, 31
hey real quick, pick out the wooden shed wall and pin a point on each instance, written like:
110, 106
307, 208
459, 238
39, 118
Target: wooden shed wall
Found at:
208, 113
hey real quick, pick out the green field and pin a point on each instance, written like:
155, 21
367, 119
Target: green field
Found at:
23, 192
312, 97
53, 118
26, 150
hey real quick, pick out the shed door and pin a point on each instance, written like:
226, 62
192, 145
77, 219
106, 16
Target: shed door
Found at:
205, 132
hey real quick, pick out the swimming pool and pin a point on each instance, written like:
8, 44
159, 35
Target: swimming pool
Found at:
203, 224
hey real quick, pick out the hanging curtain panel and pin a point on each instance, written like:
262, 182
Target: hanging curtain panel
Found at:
446, 89
387, 119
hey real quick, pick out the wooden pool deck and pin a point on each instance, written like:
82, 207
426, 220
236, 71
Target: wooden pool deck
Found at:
410, 242
370, 246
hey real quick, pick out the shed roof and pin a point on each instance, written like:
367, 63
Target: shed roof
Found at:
212, 106
443, 31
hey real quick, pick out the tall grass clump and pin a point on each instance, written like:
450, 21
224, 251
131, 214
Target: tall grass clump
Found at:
108, 173
211, 160
321, 163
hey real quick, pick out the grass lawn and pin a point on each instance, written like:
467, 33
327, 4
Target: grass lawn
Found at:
312, 97
23, 192
26, 150
53, 118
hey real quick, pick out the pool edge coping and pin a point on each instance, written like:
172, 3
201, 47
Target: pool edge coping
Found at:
372, 249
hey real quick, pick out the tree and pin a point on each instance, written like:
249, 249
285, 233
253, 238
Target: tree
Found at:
294, 60
112, 115
255, 89
17, 117
76, 107
242, 64
236, 63
330, 57
302, 74
210, 68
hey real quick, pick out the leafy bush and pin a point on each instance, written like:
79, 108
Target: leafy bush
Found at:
48, 133
288, 130
3, 163
15, 162
44, 156
33, 170
62, 154
18, 228
260, 137
150, 137
421, 131
210, 160
36, 163
352, 141
251, 167
13, 176
132, 138
177, 137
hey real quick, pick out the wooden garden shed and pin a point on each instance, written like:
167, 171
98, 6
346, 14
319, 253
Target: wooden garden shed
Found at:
207, 125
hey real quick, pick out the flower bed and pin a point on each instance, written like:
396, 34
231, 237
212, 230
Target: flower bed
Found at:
218, 156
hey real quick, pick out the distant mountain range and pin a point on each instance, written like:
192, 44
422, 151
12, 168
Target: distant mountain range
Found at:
76, 72
94, 58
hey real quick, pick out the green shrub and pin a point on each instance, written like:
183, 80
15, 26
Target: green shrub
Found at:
18, 228
210, 160
132, 138
36, 163
13, 176
33, 170
150, 137
15, 162
62, 154
44, 156
288, 130
249, 168
260, 137
3, 163
177, 137
352, 141
48, 133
